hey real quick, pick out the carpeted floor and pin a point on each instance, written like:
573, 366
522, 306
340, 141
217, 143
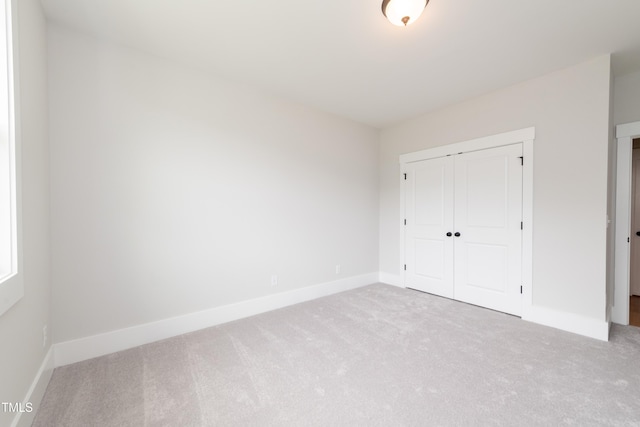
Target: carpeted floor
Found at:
374, 356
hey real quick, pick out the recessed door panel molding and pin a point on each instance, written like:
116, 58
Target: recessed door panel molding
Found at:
429, 181
485, 181
466, 234
489, 271
434, 251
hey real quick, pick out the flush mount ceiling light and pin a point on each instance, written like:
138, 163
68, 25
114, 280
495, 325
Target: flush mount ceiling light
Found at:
403, 12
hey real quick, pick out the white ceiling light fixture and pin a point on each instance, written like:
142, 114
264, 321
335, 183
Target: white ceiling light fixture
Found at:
403, 12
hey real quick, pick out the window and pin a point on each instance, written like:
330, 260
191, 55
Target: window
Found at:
10, 281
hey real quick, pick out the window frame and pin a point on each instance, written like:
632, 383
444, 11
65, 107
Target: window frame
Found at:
11, 283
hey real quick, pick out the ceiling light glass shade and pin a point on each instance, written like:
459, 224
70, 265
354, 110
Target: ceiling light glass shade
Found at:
403, 12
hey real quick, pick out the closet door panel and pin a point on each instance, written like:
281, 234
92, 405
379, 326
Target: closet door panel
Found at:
488, 215
429, 217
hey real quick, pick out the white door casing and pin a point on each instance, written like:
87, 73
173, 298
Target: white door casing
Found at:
634, 278
524, 138
463, 235
625, 133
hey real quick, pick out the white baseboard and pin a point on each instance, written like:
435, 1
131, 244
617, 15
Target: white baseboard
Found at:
36, 392
565, 321
110, 342
391, 279
73, 351
569, 322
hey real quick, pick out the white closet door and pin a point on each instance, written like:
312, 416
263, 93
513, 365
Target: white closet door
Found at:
429, 216
488, 215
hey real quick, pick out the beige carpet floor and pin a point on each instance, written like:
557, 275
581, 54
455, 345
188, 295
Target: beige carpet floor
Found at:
374, 356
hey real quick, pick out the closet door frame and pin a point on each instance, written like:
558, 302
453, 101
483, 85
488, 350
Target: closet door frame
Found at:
525, 136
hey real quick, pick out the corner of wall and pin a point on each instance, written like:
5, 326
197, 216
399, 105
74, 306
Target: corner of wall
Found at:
391, 279
25, 362
36, 391
569, 322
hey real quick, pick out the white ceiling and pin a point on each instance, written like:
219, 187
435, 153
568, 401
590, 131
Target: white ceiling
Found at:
344, 57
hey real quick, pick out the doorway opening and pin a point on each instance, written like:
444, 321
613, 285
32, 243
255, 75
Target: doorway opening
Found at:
624, 233
634, 265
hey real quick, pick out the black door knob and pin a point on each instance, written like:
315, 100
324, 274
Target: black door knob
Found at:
457, 234
449, 234
637, 233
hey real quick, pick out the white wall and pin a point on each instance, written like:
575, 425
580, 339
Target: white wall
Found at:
626, 107
570, 110
21, 349
173, 191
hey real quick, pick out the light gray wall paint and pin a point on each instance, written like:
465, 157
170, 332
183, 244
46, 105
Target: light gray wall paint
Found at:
626, 99
570, 110
22, 351
174, 192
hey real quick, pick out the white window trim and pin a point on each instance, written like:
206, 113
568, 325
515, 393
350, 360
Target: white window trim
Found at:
11, 286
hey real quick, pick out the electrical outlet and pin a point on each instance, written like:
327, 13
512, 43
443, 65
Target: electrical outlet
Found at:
274, 280
44, 335
337, 268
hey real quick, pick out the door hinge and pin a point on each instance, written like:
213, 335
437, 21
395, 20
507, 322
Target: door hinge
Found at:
520, 288
405, 267
521, 160
521, 226
628, 241
405, 222
405, 176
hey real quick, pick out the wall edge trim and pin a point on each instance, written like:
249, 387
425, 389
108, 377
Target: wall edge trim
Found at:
569, 322
36, 391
